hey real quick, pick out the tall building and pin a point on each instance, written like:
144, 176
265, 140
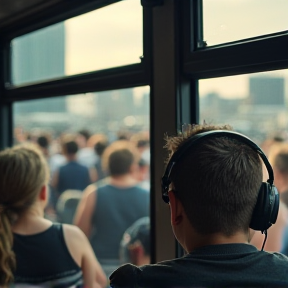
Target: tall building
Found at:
38, 56
266, 91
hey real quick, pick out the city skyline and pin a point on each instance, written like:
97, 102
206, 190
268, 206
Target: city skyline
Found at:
112, 36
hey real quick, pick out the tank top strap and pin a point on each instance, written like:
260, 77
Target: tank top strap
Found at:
58, 228
45, 258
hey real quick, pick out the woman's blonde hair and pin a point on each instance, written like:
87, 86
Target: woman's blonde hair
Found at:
23, 171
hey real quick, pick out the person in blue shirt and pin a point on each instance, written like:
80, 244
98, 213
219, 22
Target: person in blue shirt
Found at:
71, 175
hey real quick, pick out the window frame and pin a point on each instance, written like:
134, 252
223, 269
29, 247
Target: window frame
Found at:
233, 58
174, 60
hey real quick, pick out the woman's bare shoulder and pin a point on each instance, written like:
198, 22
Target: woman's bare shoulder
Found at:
72, 232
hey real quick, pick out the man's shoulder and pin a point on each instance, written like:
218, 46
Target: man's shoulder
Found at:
277, 258
260, 268
129, 275
124, 276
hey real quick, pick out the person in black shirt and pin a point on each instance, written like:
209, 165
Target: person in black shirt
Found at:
213, 184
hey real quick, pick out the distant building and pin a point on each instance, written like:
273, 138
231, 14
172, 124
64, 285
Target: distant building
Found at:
39, 56
266, 91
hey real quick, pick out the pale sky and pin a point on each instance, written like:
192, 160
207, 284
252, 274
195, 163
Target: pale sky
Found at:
112, 36
108, 37
239, 19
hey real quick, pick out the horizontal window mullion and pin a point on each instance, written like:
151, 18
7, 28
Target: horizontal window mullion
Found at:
237, 58
110, 79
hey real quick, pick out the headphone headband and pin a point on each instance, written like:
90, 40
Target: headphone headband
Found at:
266, 209
197, 138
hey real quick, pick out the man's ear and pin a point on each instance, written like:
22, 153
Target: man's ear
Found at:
176, 209
43, 195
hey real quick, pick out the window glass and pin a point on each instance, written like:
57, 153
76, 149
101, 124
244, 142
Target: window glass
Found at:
226, 21
254, 104
104, 38
93, 122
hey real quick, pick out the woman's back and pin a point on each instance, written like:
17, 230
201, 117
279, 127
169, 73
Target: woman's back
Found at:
43, 259
33, 250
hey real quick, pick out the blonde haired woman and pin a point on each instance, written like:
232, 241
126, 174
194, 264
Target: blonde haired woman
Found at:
33, 250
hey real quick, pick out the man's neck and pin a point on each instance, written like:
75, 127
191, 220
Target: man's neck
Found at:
126, 180
217, 239
71, 157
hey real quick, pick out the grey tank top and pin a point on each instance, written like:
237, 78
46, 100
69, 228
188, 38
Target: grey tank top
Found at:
116, 210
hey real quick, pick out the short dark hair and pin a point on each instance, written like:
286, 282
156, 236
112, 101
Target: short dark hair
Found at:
85, 133
119, 156
70, 147
217, 181
100, 146
43, 141
139, 231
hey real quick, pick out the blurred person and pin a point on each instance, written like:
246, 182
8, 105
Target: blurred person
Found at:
123, 135
43, 142
105, 212
85, 154
57, 158
99, 149
142, 143
19, 135
142, 174
34, 251
71, 175
95, 138
135, 244
213, 186
278, 157
277, 138
279, 160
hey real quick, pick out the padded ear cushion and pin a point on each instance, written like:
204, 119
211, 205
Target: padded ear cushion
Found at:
275, 208
266, 208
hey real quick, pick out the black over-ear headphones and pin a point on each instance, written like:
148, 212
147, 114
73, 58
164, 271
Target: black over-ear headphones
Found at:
267, 206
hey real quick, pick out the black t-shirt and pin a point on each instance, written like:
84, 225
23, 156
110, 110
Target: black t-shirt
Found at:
226, 265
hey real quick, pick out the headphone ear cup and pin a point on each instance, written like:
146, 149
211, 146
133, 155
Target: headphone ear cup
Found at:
266, 209
275, 208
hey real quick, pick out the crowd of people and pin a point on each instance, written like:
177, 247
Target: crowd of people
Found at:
75, 161
75, 208
102, 178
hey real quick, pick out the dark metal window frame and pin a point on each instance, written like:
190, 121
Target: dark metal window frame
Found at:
257, 54
133, 75
172, 68
102, 80
199, 61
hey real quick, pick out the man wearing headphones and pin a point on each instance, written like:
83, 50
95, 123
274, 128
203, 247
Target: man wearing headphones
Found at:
213, 184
